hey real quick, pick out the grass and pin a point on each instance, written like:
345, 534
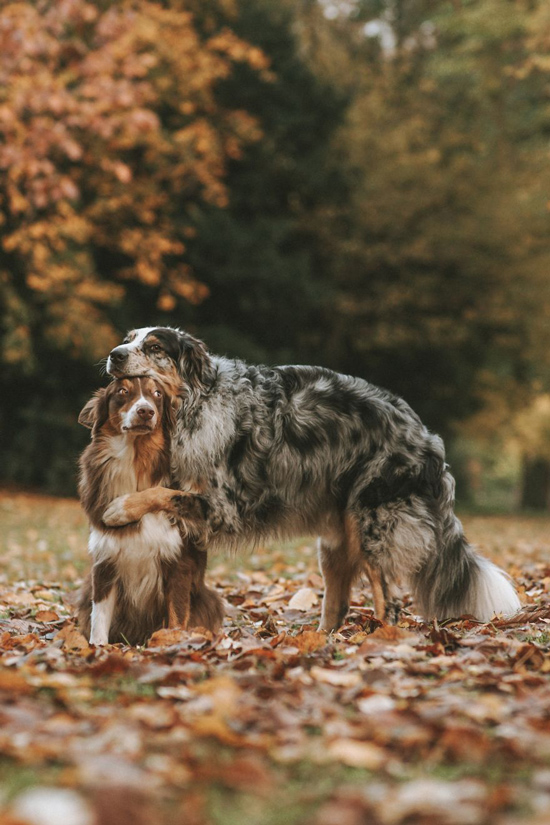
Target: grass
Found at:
302, 789
42, 538
15, 778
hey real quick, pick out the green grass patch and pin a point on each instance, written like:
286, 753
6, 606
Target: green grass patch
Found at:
16, 778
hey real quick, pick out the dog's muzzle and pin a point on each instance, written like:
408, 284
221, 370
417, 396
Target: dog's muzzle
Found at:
117, 359
141, 417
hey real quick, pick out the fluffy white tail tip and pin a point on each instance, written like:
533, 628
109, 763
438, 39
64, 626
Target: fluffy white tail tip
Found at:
494, 593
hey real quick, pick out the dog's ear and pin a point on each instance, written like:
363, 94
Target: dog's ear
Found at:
87, 413
172, 404
195, 364
95, 412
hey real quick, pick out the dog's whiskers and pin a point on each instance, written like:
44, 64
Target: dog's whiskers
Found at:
102, 364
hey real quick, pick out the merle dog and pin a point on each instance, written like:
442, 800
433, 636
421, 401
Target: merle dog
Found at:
284, 451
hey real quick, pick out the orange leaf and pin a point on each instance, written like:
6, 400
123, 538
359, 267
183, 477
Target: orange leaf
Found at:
13, 682
46, 616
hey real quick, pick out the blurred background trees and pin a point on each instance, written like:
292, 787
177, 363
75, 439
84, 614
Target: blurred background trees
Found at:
362, 184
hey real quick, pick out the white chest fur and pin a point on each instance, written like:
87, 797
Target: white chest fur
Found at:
138, 553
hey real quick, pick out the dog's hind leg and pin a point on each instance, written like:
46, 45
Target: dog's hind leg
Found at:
386, 606
103, 601
377, 584
341, 562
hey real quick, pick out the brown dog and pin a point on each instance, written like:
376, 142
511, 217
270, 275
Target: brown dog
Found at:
150, 572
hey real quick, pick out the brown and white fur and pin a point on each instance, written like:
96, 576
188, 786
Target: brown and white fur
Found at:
150, 572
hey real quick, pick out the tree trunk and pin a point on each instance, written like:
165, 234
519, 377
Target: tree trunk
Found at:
535, 488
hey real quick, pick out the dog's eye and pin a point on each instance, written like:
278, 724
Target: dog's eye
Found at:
157, 393
155, 348
122, 391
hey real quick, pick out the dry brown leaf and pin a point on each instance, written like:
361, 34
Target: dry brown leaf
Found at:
357, 754
18, 599
73, 639
309, 641
392, 633
303, 599
46, 616
113, 663
11, 681
28, 641
167, 636
338, 678
215, 726
248, 773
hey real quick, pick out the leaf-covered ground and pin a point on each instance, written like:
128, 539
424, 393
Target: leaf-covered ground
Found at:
270, 722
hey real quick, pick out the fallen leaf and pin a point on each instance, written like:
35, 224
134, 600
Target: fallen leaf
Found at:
303, 599
113, 663
374, 705
310, 640
44, 595
357, 754
11, 681
338, 678
392, 633
73, 639
167, 636
46, 616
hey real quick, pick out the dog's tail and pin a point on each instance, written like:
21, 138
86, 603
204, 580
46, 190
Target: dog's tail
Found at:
456, 581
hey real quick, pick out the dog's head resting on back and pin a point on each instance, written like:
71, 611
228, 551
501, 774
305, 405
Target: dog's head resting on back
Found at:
176, 356
130, 406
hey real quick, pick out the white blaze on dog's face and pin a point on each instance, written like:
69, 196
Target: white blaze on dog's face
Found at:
136, 404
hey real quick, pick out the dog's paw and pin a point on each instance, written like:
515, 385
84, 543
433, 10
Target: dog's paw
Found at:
190, 506
185, 505
99, 640
116, 514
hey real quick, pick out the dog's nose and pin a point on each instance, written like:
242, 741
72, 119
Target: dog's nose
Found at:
145, 413
118, 355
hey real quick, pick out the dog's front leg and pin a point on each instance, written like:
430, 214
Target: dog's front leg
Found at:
378, 590
340, 560
103, 602
133, 506
337, 586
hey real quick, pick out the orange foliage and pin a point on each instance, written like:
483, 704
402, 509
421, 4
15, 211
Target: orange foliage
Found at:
109, 132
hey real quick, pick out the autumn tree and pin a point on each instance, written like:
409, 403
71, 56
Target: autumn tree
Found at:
110, 132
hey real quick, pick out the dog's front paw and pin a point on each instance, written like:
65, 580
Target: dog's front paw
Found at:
116, 514
184, 505
190, 506
99, 639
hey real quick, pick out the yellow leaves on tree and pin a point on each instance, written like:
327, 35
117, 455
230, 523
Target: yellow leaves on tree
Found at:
110, 132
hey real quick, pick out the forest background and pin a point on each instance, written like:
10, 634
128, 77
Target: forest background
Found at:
363, 184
